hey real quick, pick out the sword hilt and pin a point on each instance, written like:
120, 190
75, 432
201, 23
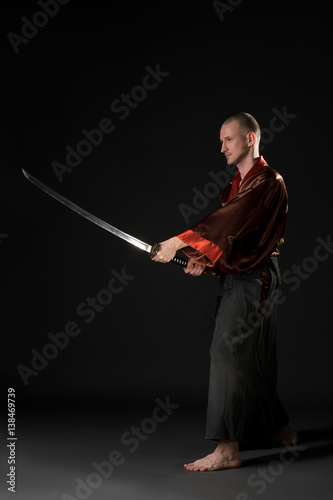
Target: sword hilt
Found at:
175, 260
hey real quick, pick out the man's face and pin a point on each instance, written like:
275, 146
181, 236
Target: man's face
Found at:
234, 143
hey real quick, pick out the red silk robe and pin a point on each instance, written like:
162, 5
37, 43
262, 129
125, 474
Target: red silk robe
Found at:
248, 227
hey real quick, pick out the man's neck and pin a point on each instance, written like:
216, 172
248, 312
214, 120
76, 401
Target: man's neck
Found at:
245, 165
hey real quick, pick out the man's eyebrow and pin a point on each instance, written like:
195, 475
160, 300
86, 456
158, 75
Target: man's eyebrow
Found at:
227, 137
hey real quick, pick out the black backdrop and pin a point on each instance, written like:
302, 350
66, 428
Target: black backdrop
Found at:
151, 334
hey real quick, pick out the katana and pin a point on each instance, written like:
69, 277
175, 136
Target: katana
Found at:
151, 249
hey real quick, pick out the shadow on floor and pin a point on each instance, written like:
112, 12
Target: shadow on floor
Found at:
313, 443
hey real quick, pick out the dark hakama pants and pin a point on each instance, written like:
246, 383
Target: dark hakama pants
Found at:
243, 404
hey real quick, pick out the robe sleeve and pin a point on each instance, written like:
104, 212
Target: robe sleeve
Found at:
251, 220
205, 251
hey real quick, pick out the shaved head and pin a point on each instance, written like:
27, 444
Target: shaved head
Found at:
247, 123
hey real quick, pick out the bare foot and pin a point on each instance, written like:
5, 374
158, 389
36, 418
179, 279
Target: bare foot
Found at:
286, 434
226, 456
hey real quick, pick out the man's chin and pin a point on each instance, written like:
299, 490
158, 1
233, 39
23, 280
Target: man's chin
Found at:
229, 161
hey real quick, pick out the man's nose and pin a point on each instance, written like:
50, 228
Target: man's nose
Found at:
223, 148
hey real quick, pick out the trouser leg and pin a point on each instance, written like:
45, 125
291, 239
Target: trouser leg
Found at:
242, 401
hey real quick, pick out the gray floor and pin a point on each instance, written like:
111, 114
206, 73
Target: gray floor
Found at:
56, 449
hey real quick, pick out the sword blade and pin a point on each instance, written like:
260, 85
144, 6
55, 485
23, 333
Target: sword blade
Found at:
92, 218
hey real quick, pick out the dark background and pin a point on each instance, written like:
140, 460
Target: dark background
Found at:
153, 338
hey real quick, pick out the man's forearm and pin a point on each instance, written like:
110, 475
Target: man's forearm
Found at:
179, 243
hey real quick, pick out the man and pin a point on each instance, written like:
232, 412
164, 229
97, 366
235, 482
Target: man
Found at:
239, 243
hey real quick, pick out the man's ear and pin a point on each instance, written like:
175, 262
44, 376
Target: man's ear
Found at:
251, 137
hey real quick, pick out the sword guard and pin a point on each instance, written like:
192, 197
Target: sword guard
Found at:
154, 250
176, 260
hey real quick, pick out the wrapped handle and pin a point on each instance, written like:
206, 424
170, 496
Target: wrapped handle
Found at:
176, 260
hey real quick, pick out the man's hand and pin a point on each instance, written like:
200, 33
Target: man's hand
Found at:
168, 249
194, 268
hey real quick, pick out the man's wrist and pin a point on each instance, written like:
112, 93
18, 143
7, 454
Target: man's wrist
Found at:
179, 243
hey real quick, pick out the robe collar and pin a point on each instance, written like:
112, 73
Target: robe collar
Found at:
237, 178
